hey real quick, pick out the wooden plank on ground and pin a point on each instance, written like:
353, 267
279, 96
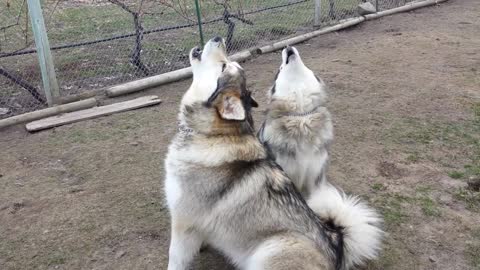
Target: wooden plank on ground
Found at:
55, 110
91, 113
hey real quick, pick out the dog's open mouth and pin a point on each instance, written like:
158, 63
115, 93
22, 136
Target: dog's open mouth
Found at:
218, 40
290, 53
197, 53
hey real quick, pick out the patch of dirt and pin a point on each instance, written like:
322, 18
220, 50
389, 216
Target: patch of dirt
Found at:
90, 195
389, 170
474, 184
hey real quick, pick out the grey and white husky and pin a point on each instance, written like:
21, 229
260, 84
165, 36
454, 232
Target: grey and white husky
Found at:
298, 128
222, 188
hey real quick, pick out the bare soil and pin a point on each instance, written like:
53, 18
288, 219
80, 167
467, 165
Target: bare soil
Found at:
405, 96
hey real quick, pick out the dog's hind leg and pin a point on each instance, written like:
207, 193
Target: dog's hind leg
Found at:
184, 245
286, 253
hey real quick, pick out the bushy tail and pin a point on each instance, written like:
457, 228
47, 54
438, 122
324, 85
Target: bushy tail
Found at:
362, 233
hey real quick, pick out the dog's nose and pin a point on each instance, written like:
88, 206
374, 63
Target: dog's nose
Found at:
217, 39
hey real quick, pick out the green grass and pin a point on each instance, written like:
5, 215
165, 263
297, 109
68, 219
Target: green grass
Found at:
423, 189
456, 144
393, 214
470, 198
427, 204
429, 207
473, 249
476, 111
456, 174
88, 22
472, 252
378, 187
67, 23
413, 157
472, 169
395, 207
472, 141
87, 228
163, 51
56, 258
392, 207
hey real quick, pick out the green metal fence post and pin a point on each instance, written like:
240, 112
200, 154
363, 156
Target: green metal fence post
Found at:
44, 54
199, 19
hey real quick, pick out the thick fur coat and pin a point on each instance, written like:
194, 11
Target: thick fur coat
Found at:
223, 189
298, 129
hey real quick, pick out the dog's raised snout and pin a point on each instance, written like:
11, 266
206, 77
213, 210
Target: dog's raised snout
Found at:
196, 53
217, 39
290, 51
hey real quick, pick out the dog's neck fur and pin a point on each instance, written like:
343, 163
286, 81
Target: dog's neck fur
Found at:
201, 81
234, 140
279, 107
204, 120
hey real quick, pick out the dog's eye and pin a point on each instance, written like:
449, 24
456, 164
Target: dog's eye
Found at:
223, 67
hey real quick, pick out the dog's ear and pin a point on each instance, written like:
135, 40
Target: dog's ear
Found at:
231, 107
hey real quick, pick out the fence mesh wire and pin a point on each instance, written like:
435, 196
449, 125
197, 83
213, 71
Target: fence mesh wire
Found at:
101, 43
20, 80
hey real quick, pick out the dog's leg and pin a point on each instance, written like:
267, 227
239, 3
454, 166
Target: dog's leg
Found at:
184, 245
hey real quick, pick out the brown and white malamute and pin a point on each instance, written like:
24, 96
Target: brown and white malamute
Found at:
224, 190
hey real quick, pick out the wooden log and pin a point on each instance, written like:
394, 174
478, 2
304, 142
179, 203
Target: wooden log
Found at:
80, 96
301, 38
406, 7
164, 78
241, 56
366, 8
31, 116
149, 82
91, 113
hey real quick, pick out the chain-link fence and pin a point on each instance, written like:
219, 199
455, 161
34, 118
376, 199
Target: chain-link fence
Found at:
101, 43
20, 79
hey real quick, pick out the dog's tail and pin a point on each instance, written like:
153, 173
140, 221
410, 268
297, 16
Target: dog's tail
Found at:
358, 224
